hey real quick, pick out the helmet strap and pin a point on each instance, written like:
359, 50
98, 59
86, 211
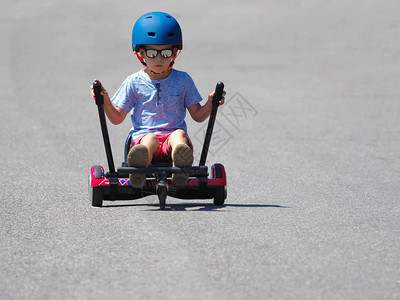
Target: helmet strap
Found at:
152, 72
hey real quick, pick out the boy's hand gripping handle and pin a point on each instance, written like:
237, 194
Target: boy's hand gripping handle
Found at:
219, 89
97, 93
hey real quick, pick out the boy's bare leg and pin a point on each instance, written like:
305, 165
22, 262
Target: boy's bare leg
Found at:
140, 156
152, 143
182, 155
177, 137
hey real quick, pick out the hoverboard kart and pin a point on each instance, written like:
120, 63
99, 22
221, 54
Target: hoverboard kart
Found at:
114, 184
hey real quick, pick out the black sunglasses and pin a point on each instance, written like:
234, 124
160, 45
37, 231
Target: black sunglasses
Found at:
152, 53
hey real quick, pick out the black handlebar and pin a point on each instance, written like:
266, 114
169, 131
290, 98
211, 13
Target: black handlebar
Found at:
103, 124
219, 90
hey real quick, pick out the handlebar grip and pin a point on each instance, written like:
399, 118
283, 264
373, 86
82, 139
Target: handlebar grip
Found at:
97, 93
219, 89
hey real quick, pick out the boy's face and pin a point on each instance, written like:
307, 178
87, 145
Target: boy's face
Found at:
161, 61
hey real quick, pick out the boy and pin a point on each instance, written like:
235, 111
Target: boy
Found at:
157, 98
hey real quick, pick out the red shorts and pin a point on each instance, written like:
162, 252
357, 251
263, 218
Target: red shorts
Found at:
164, 152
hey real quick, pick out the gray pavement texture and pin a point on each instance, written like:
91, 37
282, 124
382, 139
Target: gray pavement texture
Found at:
309, 137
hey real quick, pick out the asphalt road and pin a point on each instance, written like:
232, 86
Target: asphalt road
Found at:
309, 137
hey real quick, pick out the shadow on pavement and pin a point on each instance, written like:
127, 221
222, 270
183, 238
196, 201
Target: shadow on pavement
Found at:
194, 206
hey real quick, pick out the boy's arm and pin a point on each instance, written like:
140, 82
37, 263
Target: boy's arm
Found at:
200, 112
114, 113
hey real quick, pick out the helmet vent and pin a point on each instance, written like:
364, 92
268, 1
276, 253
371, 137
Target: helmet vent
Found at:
149, 17
171, 34
151, 34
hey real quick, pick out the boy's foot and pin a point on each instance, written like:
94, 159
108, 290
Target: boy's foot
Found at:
182, 156
138, 157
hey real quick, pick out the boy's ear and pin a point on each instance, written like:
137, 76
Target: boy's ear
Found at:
141, 53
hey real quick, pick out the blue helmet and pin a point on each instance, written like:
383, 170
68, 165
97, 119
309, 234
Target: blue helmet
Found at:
156, 28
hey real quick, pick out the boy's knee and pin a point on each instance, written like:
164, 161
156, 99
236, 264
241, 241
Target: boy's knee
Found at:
150, 137
150, 140
177, 137
179, 133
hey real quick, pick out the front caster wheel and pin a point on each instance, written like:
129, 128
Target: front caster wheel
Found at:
162, 195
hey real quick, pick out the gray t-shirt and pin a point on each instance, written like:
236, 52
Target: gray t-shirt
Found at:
157, 106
